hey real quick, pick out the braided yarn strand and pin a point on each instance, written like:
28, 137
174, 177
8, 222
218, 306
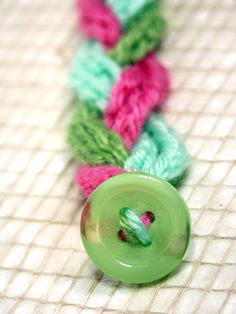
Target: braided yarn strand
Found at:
99, 22
119, 81
159, 151
91, 142
140, 88
93, 74
144, 33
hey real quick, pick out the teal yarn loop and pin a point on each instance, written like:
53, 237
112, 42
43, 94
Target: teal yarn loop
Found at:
133, 227
93, 74
159, 151
127, 9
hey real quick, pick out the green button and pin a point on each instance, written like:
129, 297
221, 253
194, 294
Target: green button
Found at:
135, 227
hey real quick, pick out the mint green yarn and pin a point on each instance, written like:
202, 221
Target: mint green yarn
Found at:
133, 227
143, 35
127, 9
91, 142
159, 151
93, 74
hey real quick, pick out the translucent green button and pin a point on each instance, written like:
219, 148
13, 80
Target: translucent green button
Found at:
135, 227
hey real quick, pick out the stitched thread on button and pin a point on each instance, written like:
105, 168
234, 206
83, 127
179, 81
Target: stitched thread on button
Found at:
134, 228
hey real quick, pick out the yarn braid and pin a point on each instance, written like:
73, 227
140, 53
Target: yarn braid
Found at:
119, 81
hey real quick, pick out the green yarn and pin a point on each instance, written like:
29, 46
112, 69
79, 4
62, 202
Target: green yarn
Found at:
159, 151
144, 33
133, 227
93, 74
91, 142
127, 9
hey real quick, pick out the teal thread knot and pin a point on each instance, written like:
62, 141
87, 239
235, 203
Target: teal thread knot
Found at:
133, 227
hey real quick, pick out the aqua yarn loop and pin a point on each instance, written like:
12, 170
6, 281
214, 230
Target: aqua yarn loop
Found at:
134, 228
159, 151
93, 74
126, 10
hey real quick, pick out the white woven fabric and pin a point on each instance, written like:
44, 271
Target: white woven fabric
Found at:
43, 266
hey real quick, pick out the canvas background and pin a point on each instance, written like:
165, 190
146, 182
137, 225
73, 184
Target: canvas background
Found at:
43, 266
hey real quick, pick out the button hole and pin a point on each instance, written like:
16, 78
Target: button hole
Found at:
127, 219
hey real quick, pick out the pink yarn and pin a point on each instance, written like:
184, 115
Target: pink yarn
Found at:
99, 22
140, 88
147, 218
89, 178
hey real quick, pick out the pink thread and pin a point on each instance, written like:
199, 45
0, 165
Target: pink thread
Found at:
122, 235
99, 22
140, 88
89, 178
147, 218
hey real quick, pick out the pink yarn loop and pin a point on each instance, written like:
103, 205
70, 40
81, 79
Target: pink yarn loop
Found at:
99, 22
140, 88
89, 178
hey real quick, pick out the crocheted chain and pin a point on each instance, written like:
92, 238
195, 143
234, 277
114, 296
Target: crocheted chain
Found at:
119, 81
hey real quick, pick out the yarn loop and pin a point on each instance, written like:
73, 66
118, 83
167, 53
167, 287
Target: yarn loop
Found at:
144, 33
91, 142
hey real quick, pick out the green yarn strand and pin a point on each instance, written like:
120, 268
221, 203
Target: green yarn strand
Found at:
133, 227
159, 151
144, 33
91, 142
